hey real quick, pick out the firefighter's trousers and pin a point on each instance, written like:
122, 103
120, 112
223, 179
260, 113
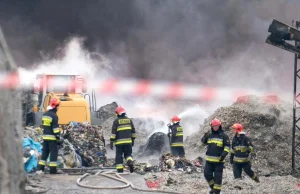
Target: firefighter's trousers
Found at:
213, 173
49, 147
126, 151
238, 167
178, 151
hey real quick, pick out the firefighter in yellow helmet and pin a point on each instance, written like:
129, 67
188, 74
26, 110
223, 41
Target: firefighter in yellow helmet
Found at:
242, 149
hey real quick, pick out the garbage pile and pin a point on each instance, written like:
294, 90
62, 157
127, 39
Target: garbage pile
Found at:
268, 125
34, 133
157, 144
107, 111
88, 142
31, 152
68, 157
84, 146
168, 163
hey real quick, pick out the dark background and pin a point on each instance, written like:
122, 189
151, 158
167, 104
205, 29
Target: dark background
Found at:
213, 42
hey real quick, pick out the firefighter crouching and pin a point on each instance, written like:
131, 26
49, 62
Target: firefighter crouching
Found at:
123, 135
217, 149
242, 149
176, 136
51, 137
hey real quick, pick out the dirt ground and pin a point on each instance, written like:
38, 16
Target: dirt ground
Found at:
172, 181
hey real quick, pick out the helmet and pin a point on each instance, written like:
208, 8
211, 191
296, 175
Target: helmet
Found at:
120, 110
215, 122
54, 102
175, 119
238, 127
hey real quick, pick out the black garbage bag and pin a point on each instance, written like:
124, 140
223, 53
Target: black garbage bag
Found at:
157, 144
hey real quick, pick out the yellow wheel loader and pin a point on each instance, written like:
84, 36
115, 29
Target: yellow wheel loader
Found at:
76, 105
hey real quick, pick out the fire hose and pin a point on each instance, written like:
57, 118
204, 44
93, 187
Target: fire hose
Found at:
118, 178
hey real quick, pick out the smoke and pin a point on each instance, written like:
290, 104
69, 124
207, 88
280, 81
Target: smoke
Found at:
73, 59
212, 42
209, 42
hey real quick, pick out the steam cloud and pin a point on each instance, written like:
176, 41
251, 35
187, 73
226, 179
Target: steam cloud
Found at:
208, 42
212, 42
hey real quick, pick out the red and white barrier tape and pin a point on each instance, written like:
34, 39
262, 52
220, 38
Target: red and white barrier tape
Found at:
147, 88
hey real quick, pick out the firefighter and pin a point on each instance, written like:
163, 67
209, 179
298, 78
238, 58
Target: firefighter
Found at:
51, 137
242, 150
217, 150
123, 135
176, 137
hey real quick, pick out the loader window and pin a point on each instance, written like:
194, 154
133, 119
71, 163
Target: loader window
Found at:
61, 84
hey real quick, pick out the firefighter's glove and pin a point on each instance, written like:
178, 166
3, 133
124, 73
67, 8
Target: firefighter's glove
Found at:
231, 158
132, 143
60, 141
112, 145
169, 135
253, 155
221, 158
207, 134
169, 125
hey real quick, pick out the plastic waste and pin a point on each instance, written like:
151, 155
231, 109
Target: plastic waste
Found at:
31, 151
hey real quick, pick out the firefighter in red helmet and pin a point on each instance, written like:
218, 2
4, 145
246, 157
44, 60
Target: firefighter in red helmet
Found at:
51, 137
176, 137
217, 149
241, 152
123, 135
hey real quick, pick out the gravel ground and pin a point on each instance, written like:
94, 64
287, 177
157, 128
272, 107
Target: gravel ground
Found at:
173, 181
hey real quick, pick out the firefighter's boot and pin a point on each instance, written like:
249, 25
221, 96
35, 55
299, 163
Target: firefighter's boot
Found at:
53, 170
120, 170
41, 167
256, 179
130, 165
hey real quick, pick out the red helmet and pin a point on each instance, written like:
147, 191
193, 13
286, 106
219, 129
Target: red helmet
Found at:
175, 119
215, 122
54, 102
237, 127
120, 110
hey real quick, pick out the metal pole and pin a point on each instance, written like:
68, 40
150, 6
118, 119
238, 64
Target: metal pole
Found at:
294, 113
294, 107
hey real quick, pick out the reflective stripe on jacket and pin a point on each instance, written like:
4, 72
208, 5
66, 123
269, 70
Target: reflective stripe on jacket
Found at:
177, 135
218, 144
123, 131
50, 125
241, 148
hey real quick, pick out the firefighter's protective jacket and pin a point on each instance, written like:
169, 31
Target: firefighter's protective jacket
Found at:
123, 131
218, 145
241, 148
176, 135
50, 125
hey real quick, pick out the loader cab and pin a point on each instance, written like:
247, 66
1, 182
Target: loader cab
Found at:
76, 105
56, 84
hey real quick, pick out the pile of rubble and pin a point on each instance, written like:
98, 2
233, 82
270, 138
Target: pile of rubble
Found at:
88, 142
157, 144
84, 145
268, 125
107, 111
34, 133
169, 162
